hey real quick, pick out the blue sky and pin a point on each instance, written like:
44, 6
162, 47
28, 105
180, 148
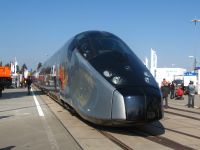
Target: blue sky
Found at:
32, 30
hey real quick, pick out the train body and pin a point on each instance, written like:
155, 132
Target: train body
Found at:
102, 79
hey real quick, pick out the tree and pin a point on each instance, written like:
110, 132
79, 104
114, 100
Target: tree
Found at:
8, 65
1, 63
39, 65
24, 66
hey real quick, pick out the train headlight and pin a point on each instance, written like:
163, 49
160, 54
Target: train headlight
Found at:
146, 79
116, 79
107, 73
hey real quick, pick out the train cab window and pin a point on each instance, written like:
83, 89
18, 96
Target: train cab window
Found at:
106, 45
110, 46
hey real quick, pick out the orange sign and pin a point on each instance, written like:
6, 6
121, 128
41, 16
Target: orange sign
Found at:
5, 72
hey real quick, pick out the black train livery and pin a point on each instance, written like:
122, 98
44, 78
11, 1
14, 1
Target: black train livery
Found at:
101, 78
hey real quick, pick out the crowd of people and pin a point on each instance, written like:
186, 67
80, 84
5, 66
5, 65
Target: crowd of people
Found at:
177, 91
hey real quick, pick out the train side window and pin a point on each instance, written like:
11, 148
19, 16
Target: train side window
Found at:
85, 50
84, 47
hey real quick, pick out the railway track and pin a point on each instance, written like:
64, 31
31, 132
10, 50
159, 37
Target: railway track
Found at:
184, 110
130, 132
183, 115
166, 142
170, 143
115, 140
186, 116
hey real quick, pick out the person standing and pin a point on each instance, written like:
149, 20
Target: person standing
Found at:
191, 94
29, 82
172, 90
165, 92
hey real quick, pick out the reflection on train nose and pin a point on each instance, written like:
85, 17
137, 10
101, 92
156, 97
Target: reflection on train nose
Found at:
118, 107
135, 107
131, 108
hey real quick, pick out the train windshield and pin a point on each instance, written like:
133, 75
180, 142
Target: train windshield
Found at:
108, 45
93, 47
112, 58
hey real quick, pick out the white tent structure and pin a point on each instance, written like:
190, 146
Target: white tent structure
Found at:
169, 74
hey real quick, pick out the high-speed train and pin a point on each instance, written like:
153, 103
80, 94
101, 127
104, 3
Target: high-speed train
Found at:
99, 76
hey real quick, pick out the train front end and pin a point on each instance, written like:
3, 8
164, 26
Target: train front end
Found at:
140, 107
136, 97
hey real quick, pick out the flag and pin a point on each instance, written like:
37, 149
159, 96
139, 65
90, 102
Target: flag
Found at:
12, 67
153, 59
153, 62
15, 66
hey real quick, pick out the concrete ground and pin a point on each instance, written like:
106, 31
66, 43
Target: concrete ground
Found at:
184, 101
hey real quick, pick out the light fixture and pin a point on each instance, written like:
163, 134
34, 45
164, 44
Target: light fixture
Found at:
107, 73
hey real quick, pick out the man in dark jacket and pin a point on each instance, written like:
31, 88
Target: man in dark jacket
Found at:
191, 94
172, 89
29, 82
165, 92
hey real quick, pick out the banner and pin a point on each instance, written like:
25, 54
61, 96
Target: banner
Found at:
153, 62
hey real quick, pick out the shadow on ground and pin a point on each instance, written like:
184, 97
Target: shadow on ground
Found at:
8, 148
3, 117
17, 94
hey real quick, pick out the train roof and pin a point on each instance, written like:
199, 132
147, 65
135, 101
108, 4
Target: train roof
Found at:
95, 34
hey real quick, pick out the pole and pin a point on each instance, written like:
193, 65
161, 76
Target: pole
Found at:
195, 23
195, 63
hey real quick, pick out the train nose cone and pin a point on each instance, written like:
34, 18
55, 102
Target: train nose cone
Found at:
143, 108
130, 108
136, 108
118, 107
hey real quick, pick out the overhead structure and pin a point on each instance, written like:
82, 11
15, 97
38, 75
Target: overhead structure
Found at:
195, 21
